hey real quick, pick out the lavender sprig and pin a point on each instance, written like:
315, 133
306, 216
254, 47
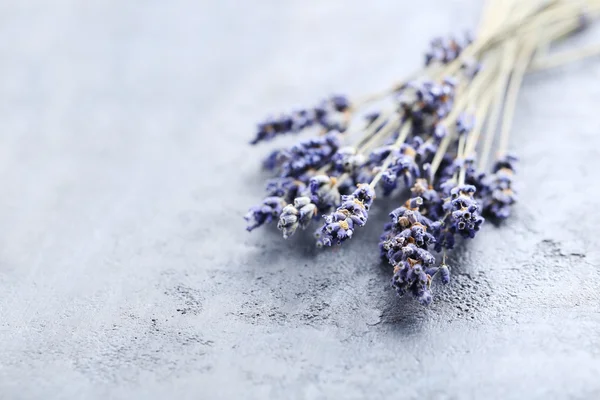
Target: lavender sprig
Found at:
405, 244
327, 115
501, 195
352, 213
264, 213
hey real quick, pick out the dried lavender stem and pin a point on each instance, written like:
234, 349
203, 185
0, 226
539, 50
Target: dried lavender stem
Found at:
565, 57
462, 171
390, 127
493, 37
508, 53
479, 80
401, 138
372, 128
554, 11
381, 94
488, 14
512, 27
363, 144
536, 16
459, 154
480, 118
512, 93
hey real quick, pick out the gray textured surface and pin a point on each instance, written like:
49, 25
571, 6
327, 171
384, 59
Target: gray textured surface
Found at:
125, 270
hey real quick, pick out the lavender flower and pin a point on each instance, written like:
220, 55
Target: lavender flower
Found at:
309, 154
444, 272
404, 244
264, 213
352, 213
439, 132
286, 188
297, 215
404, 165
371, 166
432, 206
320, 196
425, 103
272, 160
465, 219
280, 191
462, 217
324, 115
408, 226
501, 195
446, 50
323, 193
346, 159
410, 277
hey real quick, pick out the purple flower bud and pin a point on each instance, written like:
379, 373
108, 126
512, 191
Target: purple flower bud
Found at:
353, 212
324, 114
264, 213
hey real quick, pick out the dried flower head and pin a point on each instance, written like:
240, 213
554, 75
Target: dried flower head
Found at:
296, 215
326, 114
265, 212
501, 195
352, 213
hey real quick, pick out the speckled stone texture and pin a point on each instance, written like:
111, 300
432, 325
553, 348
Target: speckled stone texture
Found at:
125, 269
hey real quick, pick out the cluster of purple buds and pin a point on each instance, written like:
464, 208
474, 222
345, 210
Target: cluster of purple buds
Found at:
451, 169
426, 103
296, 215
286, 188
272, 161
432, 206
446, 50
403, 165
373, 163
476, 178
462, 217
501, 195
323, 192
327, 115
405, 244
321, 196
280, 191
352, 213
309, 154
347, 160
265, 212
425, 150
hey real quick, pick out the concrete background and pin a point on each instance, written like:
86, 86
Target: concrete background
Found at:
125, 270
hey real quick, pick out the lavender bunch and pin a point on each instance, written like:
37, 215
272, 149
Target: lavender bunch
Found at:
435, 142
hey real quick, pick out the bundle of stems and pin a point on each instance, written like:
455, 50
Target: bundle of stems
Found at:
439, 144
